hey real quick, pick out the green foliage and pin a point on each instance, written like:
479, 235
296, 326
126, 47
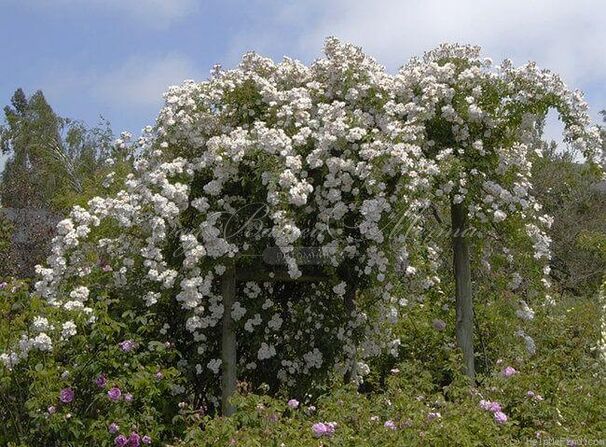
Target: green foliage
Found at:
563, 370
49, 156
425, 378
568, 192
29, 394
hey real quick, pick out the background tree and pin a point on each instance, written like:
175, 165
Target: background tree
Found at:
53, 162
48, 155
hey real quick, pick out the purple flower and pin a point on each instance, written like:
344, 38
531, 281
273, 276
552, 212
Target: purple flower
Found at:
159, 375
487, 405
273, 417
530, 394
101, 381
323, 429
500, 417
134, 440
3, 285
114, 393
293, 403
508, 372
146, 439
439, 325
390, 424
127, 345
121, 440
494, 407
113, 428
66, 395
128, 397
432, 416
52, 409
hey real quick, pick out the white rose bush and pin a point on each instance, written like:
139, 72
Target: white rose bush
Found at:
245, 173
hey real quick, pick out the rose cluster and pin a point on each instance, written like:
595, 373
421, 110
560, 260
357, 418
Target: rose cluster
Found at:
339, 156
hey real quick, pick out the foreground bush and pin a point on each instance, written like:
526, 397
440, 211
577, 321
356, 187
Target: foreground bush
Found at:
419, 399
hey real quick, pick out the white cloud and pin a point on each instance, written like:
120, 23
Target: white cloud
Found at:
566, 36
560, 34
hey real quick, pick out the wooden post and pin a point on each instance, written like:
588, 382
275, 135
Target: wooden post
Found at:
228, 336
462, 274
350, 306
228, 341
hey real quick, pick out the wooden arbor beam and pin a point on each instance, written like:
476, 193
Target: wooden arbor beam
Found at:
228, 341
464, 297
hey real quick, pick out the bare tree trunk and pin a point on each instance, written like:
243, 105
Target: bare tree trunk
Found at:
464, 300
228, 342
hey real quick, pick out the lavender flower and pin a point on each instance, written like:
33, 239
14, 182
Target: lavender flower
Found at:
432, 416
293, 403
66, 395
146, 439
121, 440
114, 393
500, 417
487, 405
101, 381
390, 425
508, 372
439, 325
134, 440
323, 429
113, 428
127, 345
52, 409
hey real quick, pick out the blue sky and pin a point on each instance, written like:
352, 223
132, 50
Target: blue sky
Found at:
116, 57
